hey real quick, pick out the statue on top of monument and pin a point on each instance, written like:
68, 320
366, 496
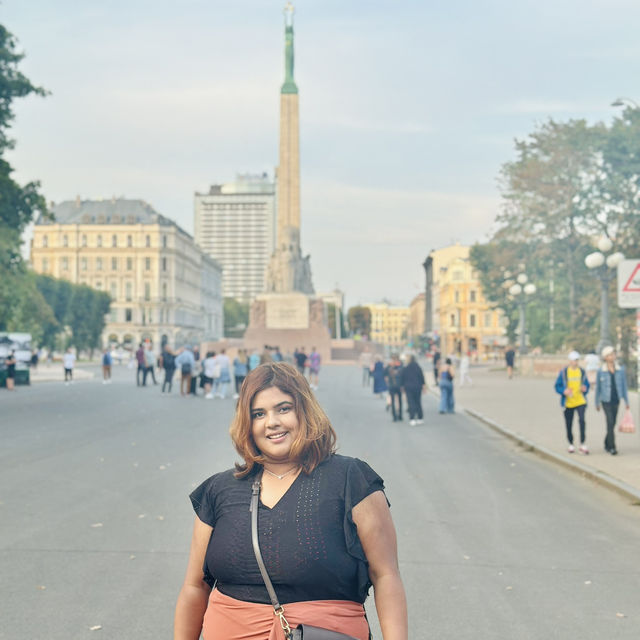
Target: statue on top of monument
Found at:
289, 85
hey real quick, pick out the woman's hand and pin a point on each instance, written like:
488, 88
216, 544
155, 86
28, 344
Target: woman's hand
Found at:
378, 537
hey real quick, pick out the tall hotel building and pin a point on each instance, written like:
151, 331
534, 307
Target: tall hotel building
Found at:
235, 224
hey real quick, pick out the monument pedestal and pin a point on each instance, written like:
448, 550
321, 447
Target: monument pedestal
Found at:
289, 321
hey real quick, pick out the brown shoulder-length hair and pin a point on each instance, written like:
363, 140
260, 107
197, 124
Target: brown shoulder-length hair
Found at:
316, 439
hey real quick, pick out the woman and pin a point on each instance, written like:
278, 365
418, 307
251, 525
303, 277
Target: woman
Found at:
414, 386
325, 527
611, 387
446, 387
10, 363
379, 384
209, 373
240, 370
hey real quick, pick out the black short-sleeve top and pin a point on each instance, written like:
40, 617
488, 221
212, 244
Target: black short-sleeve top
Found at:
308, 539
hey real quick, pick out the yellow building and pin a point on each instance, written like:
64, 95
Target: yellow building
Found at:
417, 313
163, 288
465, 321
389, 324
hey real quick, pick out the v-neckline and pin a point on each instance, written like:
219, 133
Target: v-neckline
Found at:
262, 504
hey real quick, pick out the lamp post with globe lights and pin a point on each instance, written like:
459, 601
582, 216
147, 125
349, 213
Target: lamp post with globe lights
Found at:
520, 290
604, 268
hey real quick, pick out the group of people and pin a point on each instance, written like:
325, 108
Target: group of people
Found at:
573, 384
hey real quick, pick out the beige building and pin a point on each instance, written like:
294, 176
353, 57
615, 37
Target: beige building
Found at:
463, 319
417, 313
389, 324
163, 288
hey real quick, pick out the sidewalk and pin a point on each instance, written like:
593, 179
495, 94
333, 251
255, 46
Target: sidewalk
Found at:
528, 410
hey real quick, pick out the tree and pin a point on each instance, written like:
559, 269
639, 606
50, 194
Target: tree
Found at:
359, 319
236, 317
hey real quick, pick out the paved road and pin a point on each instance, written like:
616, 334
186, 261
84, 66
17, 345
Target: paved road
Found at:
494, 543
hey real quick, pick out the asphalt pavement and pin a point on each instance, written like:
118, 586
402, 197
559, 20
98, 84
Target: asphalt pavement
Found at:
494, 542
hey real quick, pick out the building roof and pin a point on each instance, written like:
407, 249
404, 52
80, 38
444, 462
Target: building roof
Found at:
111, 211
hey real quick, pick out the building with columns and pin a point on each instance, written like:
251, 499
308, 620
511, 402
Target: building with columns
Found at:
389, 324
163, 287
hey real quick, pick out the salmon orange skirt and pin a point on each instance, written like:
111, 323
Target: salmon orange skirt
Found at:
230, 619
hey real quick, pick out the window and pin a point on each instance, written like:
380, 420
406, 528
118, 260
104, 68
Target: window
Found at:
83, 264
456, 296
147, 264
114, 264
487, 319
164, 291
65, 264
98, 264
114, 290
452, 321
128, 290
84, 241
147, 241
129, 264
472, 296
472, 320
129, 241
99, 241
147, 291
113, 315
164, 242
65, 241
164, 264
45, 265
128, 315
99, 286
456, 275
114, 241
45, 241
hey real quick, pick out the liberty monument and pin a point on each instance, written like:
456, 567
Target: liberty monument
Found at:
287, 314
288, 270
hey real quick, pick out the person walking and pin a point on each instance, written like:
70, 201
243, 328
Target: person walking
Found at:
301, 359
465, 364
107, 361
611, 387
447, 374
68, 362
241, 369
573, 385
414, 385
379, 384
436, 365
10, 363
168, 363
254, 360
224, 379
393, 378
365, 363
150, 362
277, 356
314, 368
142, 366
509, 358
186, 363
210, 371
321, 523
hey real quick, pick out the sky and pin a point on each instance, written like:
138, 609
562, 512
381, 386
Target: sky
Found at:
407, 110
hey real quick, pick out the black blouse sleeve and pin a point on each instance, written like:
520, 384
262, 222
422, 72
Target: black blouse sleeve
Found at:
203, 500
361, 482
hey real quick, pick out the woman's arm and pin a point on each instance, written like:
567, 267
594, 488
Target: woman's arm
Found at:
192, 601
378, 537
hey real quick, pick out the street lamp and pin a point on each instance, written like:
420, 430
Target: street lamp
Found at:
520, 290
604, 268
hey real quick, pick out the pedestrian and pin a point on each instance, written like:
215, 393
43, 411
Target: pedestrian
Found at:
209, 365
572, 385
591, 366
142, 366
321, 522
240, 370
301, 360
168, 363
436, 365
224, 379
379, 384
393, 378
314, 368
68, 362
611, 387
266, 356
447, 374
277, 356
150, 362
509, 358
464, 369
186, 363
10, 363
365, 363
254, 360
414, 386
106, 366
34, 360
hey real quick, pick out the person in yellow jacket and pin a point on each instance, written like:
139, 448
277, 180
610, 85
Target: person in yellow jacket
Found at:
572, 385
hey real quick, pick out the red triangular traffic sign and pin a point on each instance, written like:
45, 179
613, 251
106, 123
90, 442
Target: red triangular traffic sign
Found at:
633, 286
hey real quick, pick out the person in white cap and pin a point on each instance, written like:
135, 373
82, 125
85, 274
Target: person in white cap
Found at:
611, 387
572, 385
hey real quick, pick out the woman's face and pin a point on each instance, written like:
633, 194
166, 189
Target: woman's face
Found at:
274, 423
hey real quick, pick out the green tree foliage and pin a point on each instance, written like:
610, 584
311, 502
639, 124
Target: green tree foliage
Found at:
236, 317
359, 319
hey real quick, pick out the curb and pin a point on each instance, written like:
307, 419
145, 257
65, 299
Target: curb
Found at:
600, 477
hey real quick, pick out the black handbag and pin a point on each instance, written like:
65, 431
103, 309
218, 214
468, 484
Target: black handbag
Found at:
302, 631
